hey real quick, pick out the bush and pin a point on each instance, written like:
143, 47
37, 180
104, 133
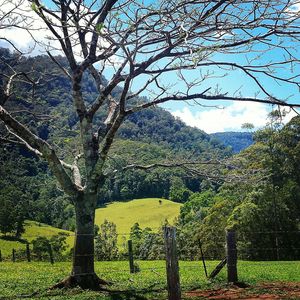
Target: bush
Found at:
41, 246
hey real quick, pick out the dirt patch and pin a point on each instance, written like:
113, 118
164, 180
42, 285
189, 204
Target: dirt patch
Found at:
275, 290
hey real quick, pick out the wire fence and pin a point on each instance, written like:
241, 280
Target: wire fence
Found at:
194, 270
153, 275
269, 241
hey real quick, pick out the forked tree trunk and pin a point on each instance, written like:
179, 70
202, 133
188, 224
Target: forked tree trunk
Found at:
83, 272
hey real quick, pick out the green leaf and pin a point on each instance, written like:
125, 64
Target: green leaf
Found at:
34, 7
99, 27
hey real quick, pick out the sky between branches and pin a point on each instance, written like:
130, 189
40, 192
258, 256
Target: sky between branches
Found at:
227, 116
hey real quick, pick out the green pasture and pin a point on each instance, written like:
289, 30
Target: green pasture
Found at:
32, 231
147, 212
22, 278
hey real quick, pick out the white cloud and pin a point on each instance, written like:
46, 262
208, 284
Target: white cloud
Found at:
29, 33
293, 9
19, 21
295, 6
230, 118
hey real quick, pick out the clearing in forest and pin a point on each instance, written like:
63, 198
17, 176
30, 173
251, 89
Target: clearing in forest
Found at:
32, 231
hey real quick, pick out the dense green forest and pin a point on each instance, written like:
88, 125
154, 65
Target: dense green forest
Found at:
265, 209
238, 141
262, 204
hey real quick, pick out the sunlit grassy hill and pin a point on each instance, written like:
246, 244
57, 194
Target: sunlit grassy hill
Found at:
32, 231
147, 212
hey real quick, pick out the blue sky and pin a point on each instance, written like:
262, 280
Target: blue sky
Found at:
231, 115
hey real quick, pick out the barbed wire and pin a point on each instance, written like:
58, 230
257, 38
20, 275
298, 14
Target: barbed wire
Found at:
266, 264
153, 231
250, 252
56, 234
265, 248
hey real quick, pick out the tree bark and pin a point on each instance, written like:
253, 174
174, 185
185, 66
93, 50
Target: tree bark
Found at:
83, 271
83, 257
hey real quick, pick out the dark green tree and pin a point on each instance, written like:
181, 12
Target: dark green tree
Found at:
106, 242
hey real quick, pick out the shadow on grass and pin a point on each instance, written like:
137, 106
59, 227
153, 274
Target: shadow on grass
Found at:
104, 294
126, 296
13, 238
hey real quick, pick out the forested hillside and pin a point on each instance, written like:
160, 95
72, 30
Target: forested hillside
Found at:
28, 189
264, 209
238, 141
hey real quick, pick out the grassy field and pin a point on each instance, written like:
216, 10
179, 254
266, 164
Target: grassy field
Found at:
32, 231
147, 212
19, 279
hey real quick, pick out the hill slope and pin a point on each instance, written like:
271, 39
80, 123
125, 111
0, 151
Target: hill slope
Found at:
32, 231
147, 212
53, 97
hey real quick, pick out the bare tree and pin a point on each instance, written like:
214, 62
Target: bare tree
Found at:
146, 45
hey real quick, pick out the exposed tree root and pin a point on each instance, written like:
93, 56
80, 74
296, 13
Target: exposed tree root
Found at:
89, 281
241, 284
71, 282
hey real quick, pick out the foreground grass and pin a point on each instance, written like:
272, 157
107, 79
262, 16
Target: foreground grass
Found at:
19, 279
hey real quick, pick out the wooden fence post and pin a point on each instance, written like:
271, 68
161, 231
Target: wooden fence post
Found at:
28, 253
173, 281
130, 257
0, 256
13, 257
231, 254
50, 254
218, 268
203, 260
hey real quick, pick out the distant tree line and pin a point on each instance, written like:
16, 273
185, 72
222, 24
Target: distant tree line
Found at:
237, 141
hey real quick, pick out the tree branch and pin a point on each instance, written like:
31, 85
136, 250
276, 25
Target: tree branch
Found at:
40, 146
202, 96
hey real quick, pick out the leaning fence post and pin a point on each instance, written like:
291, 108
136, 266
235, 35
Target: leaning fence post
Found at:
50, 254
173, 281
203, 260
28, 253
13, 257
231, 253
130, 256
